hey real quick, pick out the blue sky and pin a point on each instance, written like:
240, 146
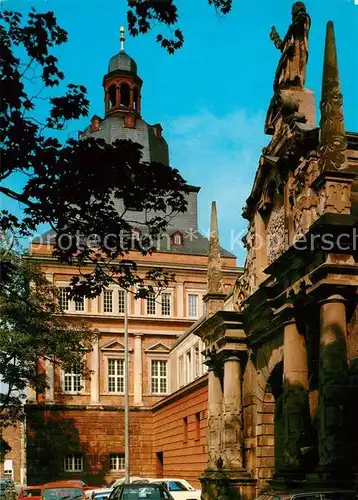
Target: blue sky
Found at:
211, 97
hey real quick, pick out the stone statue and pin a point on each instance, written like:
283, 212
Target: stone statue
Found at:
291, 69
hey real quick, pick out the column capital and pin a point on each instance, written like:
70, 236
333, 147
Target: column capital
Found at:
286, 312
229, 355
334, 298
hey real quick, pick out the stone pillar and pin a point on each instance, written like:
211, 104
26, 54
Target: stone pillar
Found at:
295, 403
180, 299
138, 371
137, 303
131, 98
333, 386
118, 95
50, 379
95, 376
214, 432
232, 414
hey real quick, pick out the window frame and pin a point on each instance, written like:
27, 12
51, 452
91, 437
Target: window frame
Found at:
158, 376
105, 292
188, 366
64, 289
82, 303
72, 374
196, 295
71, 303
108, 360
117, 456
151, 299
73, 457
169, 303
181, 371
196, 361
121, 301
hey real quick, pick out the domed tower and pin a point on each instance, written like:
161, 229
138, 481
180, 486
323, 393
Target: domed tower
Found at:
123, 120
122, 86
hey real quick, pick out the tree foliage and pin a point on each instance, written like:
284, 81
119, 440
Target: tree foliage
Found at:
74, 185
32, 328
143, 15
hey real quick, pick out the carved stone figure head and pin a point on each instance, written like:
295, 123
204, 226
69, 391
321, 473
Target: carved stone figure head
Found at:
298, 8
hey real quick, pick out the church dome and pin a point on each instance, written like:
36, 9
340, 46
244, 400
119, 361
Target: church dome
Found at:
122, 62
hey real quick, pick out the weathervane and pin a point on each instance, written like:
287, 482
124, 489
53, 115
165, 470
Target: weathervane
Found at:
122, 38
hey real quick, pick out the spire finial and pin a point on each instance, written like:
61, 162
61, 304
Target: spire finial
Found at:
333, 140
214, 262
122, 38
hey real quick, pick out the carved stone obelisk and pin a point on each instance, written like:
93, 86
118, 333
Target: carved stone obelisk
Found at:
214, 299
335, 179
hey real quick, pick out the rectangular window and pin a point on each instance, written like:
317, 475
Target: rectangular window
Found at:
108, 301
185, 429
192, 305
159, 377
73, 463
196, 361
117, 461
166, 300
80, 304
188, 375
181, 371
115, 375
64, 301
151, 303
72, 382
121, 301
197, 425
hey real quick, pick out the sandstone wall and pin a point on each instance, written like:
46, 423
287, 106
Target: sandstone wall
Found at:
179, 432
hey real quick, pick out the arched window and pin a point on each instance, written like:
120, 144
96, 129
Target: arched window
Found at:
112, 96
177, 239
135, 99
125, 95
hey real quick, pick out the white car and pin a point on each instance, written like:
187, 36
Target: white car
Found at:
179, 489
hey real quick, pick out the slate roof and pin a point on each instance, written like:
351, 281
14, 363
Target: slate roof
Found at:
194, 243
112, 128
122, 62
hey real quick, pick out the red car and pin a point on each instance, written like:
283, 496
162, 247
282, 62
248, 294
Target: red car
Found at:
30, 492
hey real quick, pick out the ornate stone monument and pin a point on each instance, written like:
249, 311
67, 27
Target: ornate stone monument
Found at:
282, 350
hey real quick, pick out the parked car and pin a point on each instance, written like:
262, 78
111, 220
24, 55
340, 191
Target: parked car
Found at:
117, 482
308, 494
180, 489
141, 491
31, 492
101, 495
5, 485
61, 490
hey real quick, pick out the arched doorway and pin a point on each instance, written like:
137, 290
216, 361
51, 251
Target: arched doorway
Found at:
270, 428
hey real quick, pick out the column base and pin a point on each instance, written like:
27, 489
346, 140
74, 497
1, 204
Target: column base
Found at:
227, 484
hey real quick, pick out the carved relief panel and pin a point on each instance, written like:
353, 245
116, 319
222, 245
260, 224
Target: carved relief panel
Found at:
276, 233
303, 198
247, 283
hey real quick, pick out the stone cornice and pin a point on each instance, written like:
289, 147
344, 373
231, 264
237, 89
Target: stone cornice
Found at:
210, 328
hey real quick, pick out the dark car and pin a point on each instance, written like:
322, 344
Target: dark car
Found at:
5, 484
310, 495
141, 491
